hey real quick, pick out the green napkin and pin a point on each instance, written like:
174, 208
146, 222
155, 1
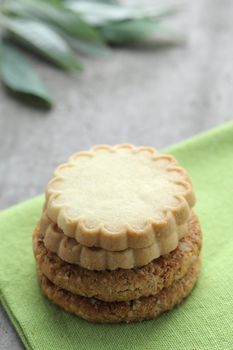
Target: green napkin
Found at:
202, 321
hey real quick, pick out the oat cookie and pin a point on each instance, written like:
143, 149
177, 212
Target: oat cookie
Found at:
121, 284
125, 311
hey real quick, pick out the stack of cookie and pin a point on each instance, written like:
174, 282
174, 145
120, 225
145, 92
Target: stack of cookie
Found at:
118, 240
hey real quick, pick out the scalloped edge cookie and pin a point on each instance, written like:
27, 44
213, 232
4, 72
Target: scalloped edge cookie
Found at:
145, 308
121, 284
69, 250
127, 236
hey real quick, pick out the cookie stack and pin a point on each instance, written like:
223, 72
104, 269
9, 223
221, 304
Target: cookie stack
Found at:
118, 240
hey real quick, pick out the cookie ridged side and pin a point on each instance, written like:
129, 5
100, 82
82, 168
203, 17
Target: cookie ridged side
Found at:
148, 188
69, 250
122, 284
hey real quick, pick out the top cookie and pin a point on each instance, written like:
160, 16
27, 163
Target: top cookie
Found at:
119, 197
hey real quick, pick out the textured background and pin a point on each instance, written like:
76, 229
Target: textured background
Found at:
153, 97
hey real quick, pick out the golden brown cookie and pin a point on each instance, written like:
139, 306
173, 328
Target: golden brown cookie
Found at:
92, 258
121, 284
119, 197
125, 311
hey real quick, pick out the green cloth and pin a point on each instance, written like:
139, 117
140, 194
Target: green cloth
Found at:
202, 321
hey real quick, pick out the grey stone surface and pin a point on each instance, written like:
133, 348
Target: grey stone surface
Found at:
152, 97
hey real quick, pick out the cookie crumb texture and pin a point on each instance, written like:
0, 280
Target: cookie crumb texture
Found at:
121, 284
144, 308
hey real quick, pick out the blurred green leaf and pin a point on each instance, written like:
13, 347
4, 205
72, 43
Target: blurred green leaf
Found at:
101, 14
55, 14
115, 2
19, 76
87, 47
54, 29
43, 40
98, 13
129, 31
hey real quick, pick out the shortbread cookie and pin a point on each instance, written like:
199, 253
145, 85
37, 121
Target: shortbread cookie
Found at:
69, 250
121, 284
125, 311
119, 197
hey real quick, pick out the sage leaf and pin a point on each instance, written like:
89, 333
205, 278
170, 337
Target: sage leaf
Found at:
43, 40
19, 76
55, 29
87, 47
100, 14
129, 32
55, 14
